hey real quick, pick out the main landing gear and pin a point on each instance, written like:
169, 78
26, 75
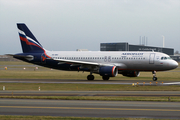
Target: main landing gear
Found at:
90, 77
154, 76
105, 77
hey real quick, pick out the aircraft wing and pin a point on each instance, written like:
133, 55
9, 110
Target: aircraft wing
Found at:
74, 63
62, 61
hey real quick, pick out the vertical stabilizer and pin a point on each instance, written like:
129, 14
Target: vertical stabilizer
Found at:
28, 41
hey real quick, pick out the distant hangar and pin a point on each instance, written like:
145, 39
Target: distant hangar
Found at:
128, 47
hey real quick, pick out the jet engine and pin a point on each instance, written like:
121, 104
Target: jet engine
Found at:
110, 71
131, 73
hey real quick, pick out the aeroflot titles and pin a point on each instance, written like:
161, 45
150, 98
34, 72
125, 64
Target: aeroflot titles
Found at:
132, 53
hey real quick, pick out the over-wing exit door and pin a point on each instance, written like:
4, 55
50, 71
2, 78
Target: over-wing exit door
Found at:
151, 58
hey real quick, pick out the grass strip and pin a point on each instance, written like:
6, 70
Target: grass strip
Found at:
84, 87
46, 73
9, 117
102, 98
43, 73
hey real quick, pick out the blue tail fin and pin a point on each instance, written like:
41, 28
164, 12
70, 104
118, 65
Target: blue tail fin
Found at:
28, 41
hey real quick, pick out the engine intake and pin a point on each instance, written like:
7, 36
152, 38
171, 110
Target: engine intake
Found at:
110, 71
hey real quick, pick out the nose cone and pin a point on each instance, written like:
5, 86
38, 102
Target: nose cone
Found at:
174, 64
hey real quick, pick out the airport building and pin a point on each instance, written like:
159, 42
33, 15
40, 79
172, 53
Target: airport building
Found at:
128, 47
175, 57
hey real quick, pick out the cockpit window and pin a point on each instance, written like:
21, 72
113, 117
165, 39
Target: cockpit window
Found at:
165, 58
169, 58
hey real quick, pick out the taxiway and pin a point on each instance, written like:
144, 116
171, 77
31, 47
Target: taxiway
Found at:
88, 93
70, 81
80, 108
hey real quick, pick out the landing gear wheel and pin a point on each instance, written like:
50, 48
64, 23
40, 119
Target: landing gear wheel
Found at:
154, 78
105, 77
154, 75
90, 77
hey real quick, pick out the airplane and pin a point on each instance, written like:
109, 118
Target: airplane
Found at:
106, 64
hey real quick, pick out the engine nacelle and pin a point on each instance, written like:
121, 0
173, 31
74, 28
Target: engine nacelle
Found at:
131, 73
110, 71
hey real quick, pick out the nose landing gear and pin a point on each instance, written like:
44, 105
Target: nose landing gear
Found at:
154, 76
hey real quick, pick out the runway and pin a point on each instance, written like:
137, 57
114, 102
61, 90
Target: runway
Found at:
70, 81
89, 93
80, 108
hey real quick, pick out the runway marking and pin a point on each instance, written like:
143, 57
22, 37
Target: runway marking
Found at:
172, 83
85, 108
87, 94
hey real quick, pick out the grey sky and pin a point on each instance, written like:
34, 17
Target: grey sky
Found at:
70, 24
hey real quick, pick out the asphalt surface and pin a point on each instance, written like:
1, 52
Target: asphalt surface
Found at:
66, 81
87, 108
80, 108
89, 93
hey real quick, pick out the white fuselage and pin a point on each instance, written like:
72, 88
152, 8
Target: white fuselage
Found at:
125, 60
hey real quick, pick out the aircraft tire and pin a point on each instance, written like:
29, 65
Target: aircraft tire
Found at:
90, 77
105, 77
154, 78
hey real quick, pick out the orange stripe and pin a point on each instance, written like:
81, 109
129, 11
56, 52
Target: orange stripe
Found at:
113, 71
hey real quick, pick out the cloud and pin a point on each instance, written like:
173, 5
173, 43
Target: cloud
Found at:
90, 22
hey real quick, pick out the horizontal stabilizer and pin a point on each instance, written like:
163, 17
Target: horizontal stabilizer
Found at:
28, 57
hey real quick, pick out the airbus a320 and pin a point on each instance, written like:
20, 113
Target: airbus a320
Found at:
106, 64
